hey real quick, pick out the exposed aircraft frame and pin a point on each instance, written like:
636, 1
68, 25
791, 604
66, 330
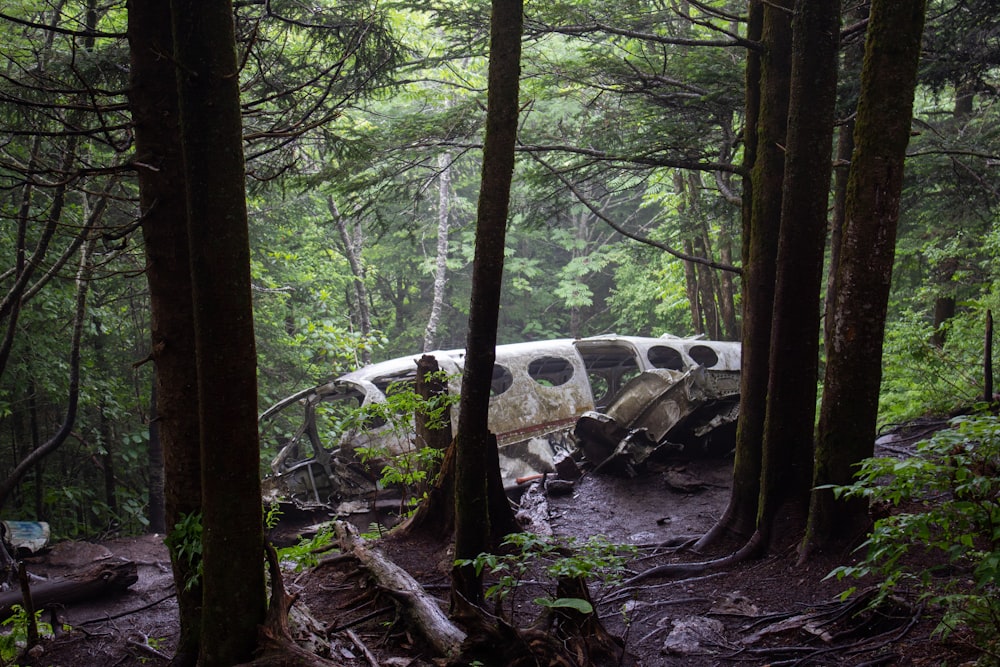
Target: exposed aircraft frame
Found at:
541, 390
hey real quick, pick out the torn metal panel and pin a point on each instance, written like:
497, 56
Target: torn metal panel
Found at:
661, 411
540, 391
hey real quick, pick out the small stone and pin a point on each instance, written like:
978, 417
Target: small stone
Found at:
693, 635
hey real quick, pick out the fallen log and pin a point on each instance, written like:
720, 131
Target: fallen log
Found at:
101, 579
419, 607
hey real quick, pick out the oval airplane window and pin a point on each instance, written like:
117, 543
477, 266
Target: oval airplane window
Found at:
662, 356
704, 355
502, 379
550, 371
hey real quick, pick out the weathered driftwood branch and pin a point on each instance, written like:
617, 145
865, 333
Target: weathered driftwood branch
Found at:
422, 610
99, 580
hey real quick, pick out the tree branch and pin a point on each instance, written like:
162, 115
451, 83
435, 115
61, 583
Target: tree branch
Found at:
598, 27
87, 34
635, 237
82, 284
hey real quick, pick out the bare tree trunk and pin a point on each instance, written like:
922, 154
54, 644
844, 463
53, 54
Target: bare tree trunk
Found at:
853, 51
767, 113
352, 250
727, 291
794, 351
234, 595
157, 509
945, 301
706, 288
702, 248
691, 290
162, 197
580, 231
842, 164
690, 268
475, 517
441, 256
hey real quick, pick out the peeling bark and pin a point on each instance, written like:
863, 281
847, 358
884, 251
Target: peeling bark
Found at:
441, 254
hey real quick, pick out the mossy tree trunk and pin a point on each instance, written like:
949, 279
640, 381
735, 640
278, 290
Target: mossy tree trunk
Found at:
767, 110
791, 94
159, 165
794, 353
847, 425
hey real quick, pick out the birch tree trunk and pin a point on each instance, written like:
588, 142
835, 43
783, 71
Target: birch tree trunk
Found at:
441, 256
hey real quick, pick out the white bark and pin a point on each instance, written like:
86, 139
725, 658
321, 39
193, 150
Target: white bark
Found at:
441, 259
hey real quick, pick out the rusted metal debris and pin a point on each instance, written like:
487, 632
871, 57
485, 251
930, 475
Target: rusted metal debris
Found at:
615, 399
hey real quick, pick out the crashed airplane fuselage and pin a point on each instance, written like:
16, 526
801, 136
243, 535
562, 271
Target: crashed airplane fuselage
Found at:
540, 392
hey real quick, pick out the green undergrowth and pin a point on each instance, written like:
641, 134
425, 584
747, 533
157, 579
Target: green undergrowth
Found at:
940, 539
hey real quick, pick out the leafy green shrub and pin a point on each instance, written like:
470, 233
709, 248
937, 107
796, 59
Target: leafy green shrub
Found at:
15, 638
305, 554
185, 545
596, 558
404, 463
944, 543
920, 378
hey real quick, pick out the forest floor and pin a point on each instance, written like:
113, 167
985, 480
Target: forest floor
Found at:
762, 612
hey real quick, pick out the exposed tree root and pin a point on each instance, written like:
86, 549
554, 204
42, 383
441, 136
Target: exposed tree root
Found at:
493, 641
584, 634
721, 533
560, 638
754, 548
855, 618
275, 645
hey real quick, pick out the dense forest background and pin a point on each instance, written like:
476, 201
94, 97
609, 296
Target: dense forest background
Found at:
363, 125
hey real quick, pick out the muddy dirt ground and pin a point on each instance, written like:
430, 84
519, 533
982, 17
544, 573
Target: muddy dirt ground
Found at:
763, 612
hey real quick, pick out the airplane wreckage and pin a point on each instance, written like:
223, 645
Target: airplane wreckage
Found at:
614, 401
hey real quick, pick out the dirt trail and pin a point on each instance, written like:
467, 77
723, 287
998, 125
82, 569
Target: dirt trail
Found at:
717, 619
